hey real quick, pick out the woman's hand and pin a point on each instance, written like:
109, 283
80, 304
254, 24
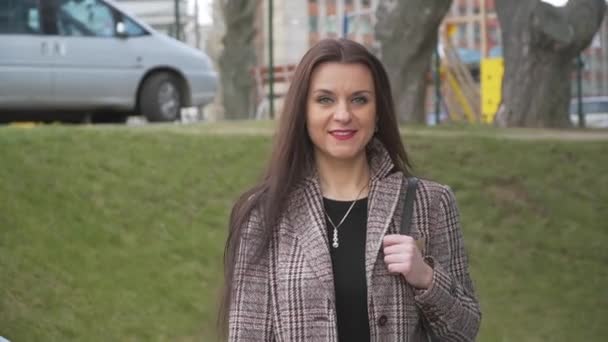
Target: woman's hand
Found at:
402, 255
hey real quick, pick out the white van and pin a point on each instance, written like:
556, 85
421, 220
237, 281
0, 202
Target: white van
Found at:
88, 56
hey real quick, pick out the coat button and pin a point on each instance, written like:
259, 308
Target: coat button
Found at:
382, 320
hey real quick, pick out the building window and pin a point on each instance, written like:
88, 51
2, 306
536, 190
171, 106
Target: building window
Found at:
476, 7
331, 24
313, 23
461, 34
461, 8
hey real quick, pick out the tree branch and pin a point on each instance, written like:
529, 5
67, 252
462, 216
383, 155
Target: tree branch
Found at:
568, 28
551, 26
585, 17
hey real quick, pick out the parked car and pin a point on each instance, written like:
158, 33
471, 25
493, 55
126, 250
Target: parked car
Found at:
89, 56
595, 109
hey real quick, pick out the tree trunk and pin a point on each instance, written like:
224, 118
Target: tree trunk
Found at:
237, 57
407, 31
540, 43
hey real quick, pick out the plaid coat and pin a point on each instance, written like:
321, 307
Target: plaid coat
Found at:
288, 295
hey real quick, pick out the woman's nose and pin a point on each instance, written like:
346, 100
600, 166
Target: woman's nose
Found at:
342, 112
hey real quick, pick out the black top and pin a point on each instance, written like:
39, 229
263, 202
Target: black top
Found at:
348, 261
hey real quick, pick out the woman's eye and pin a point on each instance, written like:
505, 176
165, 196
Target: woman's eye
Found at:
324, 100
360, 100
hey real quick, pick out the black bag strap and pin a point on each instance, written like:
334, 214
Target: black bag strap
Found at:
406, 223
408, 205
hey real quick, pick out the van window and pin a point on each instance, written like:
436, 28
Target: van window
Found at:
85, 18
596, 107
133, 29
19, 17
592, 106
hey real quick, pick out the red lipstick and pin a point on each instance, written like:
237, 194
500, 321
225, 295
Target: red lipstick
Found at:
343, 134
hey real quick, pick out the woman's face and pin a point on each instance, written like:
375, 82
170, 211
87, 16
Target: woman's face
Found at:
341, 110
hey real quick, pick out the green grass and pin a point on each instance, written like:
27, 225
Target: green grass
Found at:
116, 233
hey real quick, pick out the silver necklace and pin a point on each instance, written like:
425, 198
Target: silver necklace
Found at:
335, 242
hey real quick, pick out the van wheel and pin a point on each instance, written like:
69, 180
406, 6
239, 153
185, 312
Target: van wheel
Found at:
160, 98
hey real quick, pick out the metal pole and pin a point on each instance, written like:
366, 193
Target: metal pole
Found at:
484, 29
340, 17
270, 60
437, 85
197, 36
177, 19
357, 13
197, 26
579, 90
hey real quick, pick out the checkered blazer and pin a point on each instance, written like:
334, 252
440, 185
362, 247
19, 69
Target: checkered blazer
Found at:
288, 295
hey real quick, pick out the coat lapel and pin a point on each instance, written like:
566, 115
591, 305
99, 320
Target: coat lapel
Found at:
383, 200
313, 236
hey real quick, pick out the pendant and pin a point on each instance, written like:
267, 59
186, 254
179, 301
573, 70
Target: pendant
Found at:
335, 242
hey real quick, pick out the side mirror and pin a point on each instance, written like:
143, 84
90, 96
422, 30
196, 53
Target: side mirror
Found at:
121, 30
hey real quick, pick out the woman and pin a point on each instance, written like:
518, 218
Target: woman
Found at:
314, 253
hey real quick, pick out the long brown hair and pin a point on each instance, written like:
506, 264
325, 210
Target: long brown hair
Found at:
292, 151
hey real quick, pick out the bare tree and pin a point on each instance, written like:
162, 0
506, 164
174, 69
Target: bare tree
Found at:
237, 57
540, 43
407, 31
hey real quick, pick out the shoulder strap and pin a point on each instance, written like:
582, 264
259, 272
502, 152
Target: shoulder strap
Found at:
408, 205
406, 222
